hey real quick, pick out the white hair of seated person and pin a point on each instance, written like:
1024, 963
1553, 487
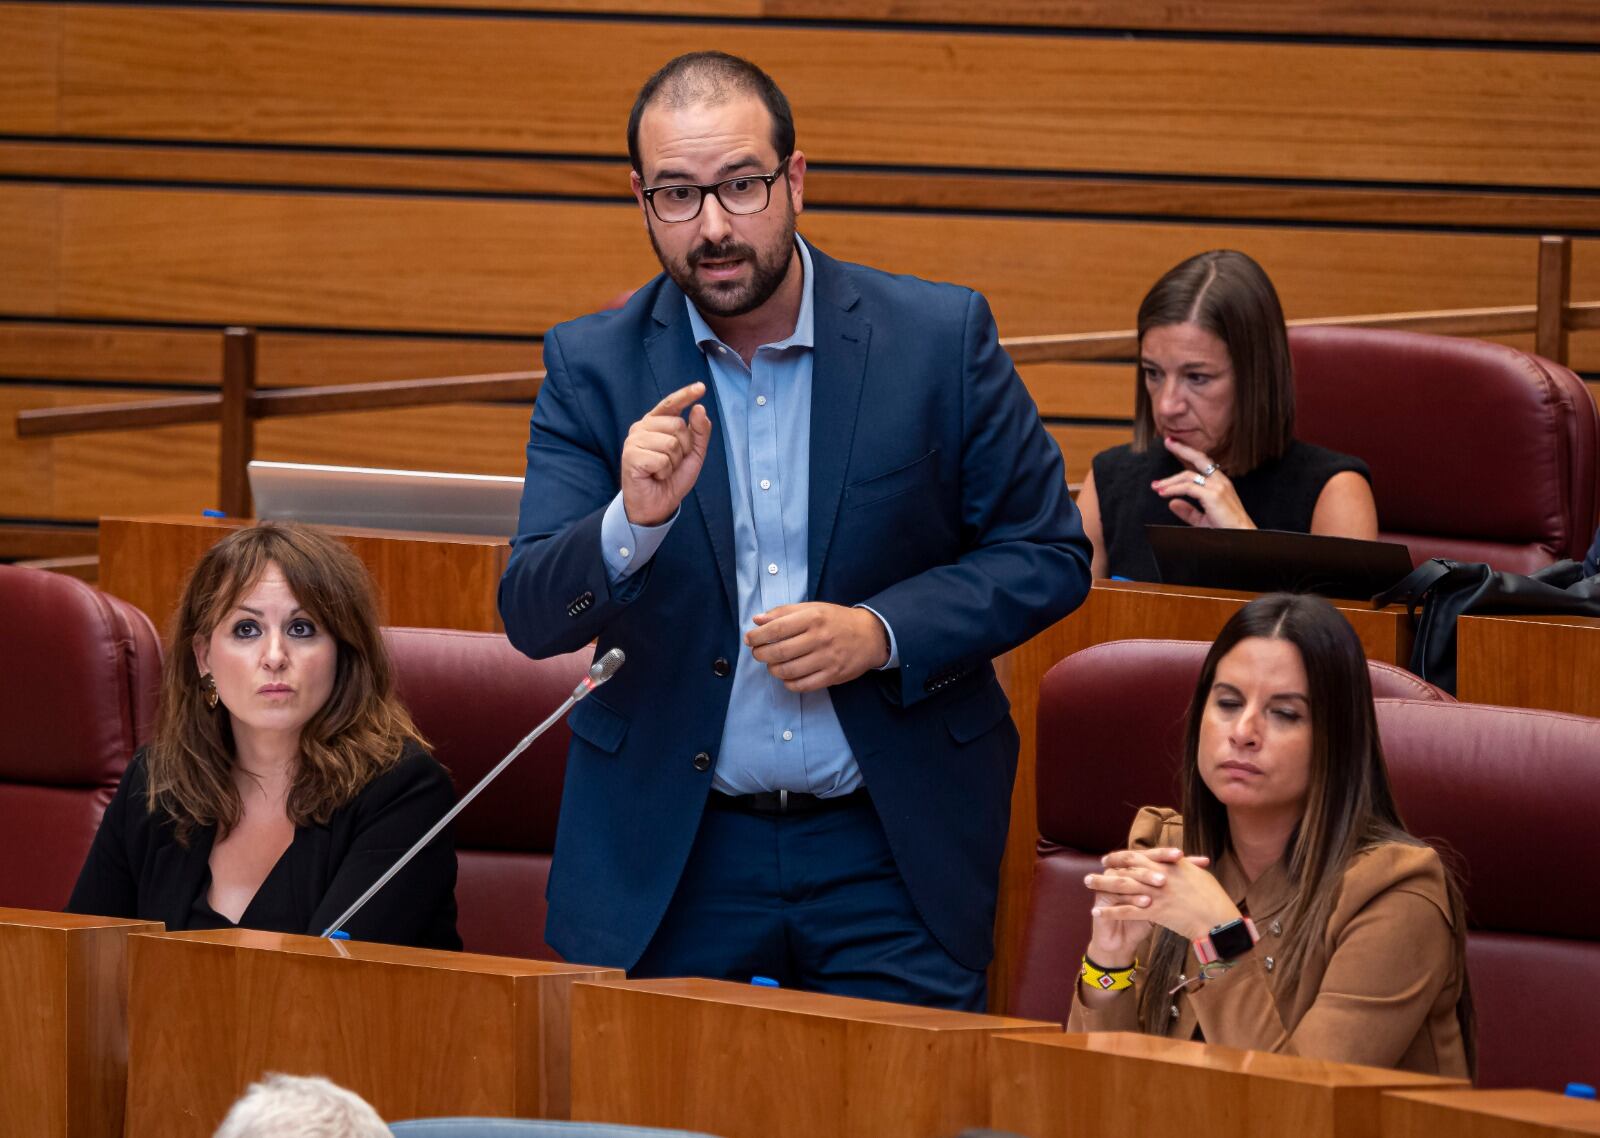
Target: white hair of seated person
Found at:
294, 1106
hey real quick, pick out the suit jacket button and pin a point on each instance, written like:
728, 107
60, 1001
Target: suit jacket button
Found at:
702, 762
720, 667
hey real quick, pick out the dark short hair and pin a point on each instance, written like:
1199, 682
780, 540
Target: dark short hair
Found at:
1230, 296
708, 76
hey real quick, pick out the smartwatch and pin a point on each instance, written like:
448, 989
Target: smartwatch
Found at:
1225, 942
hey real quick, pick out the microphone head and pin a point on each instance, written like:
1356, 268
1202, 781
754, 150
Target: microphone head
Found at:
606, 667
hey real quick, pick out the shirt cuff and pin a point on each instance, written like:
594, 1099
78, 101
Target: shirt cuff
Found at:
625, 547
894, 650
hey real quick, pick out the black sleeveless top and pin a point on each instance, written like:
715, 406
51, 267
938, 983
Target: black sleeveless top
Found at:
1280, 494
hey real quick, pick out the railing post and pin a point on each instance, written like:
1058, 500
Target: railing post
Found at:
1555, 294
238, 435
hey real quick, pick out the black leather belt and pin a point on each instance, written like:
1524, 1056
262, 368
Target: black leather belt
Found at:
781, 802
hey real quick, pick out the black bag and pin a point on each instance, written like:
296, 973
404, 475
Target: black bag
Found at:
1446, 589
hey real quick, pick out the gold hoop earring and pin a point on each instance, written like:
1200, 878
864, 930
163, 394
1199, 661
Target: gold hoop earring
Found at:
208, 688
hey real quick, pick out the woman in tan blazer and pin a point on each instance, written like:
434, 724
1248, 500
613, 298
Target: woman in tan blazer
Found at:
1287, 909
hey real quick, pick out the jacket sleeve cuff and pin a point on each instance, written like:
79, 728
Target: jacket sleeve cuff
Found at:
626, 548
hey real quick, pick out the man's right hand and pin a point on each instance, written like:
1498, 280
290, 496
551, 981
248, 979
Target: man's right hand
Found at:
663, 455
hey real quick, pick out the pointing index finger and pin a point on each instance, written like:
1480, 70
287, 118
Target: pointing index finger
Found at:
675, 403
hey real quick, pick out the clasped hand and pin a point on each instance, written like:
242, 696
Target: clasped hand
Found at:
1140, 889
815, 645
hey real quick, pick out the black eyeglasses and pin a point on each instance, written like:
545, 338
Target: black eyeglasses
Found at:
745, 194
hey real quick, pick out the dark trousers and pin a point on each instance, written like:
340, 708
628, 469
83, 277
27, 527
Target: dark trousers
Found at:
813, 901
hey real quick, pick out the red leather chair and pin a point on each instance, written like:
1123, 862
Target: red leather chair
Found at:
1110, 738
475, 696
1478, 451
79, 675
1512, 792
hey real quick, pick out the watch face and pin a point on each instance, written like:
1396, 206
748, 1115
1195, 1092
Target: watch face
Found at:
1231, 939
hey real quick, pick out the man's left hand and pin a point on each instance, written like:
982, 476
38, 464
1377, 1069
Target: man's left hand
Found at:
814, 645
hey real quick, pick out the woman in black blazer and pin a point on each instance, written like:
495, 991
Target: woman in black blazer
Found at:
285, 775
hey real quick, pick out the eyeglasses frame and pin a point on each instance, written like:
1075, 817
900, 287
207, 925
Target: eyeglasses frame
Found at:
649, 193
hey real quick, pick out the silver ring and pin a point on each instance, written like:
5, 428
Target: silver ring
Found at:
1209, 471
1199, 479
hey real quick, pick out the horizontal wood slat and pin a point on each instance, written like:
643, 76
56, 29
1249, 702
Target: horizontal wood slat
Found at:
1575, 21
30, 49
516, 268
861, 96
1119, 197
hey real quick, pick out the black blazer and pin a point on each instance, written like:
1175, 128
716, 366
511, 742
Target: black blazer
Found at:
136, 868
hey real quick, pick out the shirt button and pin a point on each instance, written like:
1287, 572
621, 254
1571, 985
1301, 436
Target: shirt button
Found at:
1276, 928
720, 667
1174, 1011
702, 762
773, 568
1267, 964
761, 400
788, 735
766, 484
624, 551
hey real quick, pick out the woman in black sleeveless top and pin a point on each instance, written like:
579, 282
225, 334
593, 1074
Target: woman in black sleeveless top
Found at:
1213, 435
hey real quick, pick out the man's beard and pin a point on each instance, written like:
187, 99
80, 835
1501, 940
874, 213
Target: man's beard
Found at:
768, 268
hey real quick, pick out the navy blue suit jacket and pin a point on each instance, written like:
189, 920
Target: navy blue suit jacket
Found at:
936, 498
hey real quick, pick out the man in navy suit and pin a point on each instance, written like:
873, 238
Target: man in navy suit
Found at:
811, 501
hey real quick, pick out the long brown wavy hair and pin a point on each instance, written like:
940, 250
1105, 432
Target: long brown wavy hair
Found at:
1349, 805
355, 736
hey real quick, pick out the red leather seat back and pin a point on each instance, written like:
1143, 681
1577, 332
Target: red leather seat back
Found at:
79, 674
1512, 792
475, 696
1511, 476
1110, 741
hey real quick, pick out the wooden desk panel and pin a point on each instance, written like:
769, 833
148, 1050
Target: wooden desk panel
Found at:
1530, 661
1486, 1114
424, 580
747, 1062
63, 1023
416, 1032
1115, 1085
1120, 610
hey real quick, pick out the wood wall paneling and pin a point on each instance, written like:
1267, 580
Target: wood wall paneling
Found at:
356, 261
1553, 212
30, 43
109, 353
30, 249
172, 469
1313, 110
1575, 21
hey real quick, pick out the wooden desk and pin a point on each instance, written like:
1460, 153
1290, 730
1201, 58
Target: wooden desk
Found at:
1530, 661
63, 1023
425, 580
1486, 1114
415, 1032
747, 1062
1116, 1085
1121, 610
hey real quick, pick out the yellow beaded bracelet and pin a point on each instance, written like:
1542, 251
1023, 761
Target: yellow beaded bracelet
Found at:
1107, 979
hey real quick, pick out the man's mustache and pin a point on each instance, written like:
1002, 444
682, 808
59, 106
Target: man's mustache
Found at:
726, 252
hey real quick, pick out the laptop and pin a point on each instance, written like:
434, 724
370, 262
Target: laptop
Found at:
427, 500
1273, 561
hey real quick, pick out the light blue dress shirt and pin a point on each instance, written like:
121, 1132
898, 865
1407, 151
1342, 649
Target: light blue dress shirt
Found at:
773, 739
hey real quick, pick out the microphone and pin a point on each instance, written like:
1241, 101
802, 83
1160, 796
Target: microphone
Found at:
599, 672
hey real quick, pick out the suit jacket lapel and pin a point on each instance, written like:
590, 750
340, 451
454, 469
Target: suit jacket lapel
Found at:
676, 360
838, 370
